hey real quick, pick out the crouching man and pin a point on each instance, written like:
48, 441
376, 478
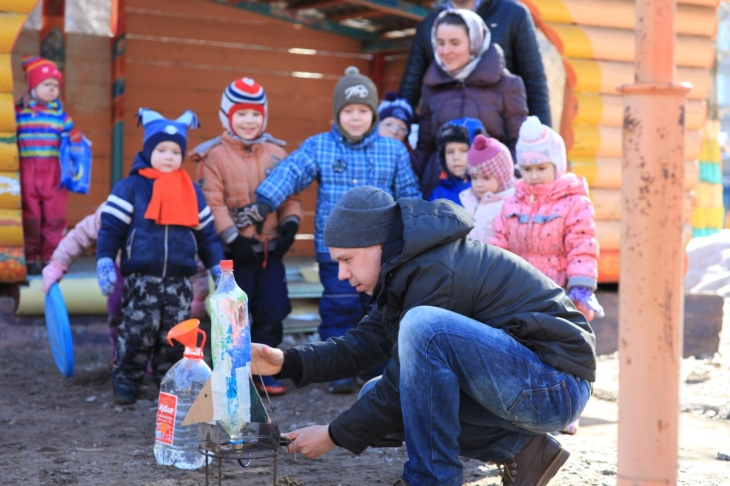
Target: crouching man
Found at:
487, 354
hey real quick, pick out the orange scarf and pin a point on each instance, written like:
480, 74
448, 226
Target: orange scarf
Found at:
173, 198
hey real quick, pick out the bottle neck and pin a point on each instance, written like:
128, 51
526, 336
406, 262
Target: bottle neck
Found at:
193, 353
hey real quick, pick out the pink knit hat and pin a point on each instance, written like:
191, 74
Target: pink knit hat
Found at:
488, 156
538, 143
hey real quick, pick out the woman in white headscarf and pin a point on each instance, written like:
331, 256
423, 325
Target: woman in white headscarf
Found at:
468, 78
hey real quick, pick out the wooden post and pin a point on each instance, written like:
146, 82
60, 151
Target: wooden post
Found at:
53, 39
119, 30
651, 292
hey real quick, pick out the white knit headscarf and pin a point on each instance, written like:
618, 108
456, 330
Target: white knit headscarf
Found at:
479, 40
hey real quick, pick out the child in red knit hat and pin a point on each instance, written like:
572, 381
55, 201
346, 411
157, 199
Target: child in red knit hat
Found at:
233, 167
41, 120
491, 170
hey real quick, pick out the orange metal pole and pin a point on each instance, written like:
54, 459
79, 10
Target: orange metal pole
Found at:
651, 293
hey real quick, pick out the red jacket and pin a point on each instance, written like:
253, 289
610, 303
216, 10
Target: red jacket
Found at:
552, 226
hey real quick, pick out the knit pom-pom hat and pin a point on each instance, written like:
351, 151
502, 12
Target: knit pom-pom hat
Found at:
396, 106
488, 156
538, 143
243, 94
158, 129
38, 69
354, 88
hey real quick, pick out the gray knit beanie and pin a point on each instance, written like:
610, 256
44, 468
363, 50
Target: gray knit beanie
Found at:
355, 88
363, 217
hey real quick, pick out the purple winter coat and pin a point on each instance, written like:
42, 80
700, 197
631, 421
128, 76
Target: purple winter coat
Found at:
490, 94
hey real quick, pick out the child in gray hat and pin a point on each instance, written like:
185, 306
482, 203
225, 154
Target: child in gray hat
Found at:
352, 154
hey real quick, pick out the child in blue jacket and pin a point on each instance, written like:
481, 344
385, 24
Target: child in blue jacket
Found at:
351, 154
159, 219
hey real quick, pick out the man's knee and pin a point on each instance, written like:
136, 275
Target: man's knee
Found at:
419, 322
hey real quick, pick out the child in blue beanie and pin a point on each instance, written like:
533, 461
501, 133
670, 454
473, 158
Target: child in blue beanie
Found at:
160, 219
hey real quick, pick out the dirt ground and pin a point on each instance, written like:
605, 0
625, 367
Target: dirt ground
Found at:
58, 431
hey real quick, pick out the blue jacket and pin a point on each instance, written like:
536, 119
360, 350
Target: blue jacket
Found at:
338, 166
149, 248
449, 188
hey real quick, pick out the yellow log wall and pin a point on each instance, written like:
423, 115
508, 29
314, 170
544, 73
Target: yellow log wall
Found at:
12, 258
597, 41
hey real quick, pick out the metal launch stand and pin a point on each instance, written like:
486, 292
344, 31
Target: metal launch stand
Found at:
260, 441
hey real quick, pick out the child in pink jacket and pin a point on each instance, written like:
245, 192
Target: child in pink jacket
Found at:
491, 170
550, 220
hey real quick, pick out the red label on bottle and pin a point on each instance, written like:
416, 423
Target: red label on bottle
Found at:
166, 411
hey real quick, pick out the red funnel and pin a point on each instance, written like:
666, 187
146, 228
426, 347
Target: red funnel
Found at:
186, 333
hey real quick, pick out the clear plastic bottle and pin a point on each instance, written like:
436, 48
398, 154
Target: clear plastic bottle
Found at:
175, 444
230, 344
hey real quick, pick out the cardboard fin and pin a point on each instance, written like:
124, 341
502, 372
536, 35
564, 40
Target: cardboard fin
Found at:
202, 409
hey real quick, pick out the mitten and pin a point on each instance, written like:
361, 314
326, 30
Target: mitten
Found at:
250, 214
585, 296
52, 273
242, 251
287, 233
106, 275
215, 272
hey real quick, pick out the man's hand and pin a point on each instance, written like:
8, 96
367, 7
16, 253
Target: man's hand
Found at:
265, 360
313, 441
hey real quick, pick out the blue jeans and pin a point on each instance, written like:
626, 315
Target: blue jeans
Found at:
468, 389
341, 307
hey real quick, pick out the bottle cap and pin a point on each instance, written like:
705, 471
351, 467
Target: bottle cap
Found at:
186, 333
226, 264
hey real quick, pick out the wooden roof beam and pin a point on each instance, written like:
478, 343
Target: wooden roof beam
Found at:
359, 14
400, 8
320, 4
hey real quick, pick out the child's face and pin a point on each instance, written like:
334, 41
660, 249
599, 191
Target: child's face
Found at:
356, 119
166, 157
538, 173
47, 90
393, 127
455, 154
482, 184
247, 123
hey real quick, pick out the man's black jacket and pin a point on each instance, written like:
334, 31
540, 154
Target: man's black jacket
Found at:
437, 265
513, 29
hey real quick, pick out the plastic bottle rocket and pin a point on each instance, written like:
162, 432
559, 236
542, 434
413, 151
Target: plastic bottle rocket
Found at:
231, 354
175, 444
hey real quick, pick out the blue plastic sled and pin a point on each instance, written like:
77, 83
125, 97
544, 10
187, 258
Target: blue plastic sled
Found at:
59, 331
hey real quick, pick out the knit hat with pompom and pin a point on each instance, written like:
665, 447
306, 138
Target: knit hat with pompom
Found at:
243, 94
354, 88
488, 156
538, 143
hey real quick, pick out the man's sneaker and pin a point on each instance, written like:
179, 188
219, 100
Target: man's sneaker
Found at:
124, 395
400, 482
536, 465
269, 385
342, 387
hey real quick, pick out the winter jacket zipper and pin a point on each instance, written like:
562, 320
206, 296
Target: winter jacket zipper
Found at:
164, 265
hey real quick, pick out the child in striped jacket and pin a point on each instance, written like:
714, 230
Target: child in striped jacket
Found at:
41, 120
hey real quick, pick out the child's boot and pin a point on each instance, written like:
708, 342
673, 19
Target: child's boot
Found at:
124, 394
